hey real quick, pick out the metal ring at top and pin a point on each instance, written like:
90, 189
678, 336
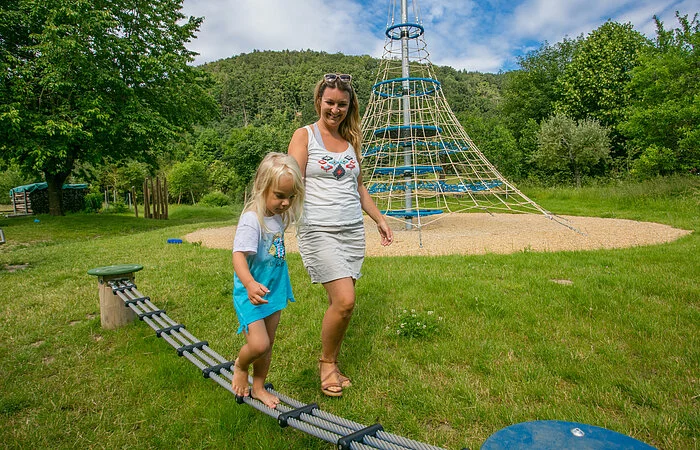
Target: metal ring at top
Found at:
400, 30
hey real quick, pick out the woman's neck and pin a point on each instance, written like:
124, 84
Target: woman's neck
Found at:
323, 127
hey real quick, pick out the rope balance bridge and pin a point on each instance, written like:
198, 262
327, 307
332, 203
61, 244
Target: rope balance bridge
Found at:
121, 303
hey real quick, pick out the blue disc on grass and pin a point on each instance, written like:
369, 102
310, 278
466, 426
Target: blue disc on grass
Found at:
555, 434
174, 241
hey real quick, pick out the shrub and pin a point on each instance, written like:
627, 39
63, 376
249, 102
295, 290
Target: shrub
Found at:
93, 202
654, 161
117, 207
216, 198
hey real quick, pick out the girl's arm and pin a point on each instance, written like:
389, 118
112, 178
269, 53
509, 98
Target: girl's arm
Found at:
256, 291
368, 205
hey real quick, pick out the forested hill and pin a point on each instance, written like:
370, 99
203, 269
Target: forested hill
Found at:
274, 87
610, 104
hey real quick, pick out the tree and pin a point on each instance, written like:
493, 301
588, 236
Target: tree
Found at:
496, 142
222, 177
531, 92
188, 177
208, 147
83, 80
247, 146
593, 85
571, 150
663, 118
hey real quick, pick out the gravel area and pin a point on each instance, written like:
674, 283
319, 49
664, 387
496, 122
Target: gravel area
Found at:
480, 233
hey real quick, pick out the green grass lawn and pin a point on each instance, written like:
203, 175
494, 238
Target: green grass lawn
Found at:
618, 348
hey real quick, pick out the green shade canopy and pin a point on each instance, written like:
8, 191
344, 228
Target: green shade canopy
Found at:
39, 186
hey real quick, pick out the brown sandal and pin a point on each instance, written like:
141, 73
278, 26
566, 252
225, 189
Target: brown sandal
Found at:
331, 388
344, 381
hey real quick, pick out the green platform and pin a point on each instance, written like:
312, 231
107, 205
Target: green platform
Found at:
119, 269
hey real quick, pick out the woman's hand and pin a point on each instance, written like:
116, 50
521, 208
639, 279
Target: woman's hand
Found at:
387, 236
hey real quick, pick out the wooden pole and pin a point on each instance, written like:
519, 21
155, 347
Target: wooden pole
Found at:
136, 202
158, 200
152, 194
113, 313
146, 206
165, 196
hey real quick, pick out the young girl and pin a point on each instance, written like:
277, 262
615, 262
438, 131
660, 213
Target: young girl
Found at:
261, 286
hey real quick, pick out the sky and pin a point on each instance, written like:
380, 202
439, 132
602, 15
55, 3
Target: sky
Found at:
482, 36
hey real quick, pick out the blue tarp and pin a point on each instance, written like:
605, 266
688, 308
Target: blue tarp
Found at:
39, 186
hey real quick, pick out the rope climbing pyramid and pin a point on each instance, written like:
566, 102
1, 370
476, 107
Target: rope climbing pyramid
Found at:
418, 161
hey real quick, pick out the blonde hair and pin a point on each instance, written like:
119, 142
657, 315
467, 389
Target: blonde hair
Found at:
349, 128
273, 167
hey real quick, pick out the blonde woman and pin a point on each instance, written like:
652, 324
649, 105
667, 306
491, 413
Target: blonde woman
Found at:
331, 233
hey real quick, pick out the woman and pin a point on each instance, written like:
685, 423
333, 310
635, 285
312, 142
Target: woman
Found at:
331, 233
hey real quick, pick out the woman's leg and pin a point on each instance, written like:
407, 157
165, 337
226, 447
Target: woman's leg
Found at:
341, 302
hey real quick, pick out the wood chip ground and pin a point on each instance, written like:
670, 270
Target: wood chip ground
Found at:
477, 233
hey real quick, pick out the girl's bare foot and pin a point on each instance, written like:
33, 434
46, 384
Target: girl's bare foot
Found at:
240, 380
268, 399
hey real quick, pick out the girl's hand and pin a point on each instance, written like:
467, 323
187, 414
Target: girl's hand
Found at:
256, 292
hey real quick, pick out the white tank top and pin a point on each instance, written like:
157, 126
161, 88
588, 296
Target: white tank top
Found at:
331, 196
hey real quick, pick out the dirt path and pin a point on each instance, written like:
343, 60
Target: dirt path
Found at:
469, 234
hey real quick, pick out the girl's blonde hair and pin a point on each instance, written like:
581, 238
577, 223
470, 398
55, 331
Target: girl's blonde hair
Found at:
273, 167
349, 129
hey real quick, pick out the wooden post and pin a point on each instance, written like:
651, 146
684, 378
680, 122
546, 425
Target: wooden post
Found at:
113, 312
134, 198
165, 196
157, 202
146, 208
153, 198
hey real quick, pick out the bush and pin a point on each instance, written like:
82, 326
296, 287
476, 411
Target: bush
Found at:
654, 161
93, 202
117, 207
216, 198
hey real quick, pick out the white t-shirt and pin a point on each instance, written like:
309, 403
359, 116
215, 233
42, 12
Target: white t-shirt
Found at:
331, 196
249, 231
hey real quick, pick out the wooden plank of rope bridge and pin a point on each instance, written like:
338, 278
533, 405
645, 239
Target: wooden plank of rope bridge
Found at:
113, 313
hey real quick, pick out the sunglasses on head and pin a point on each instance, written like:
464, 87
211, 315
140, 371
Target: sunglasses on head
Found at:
344, 77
